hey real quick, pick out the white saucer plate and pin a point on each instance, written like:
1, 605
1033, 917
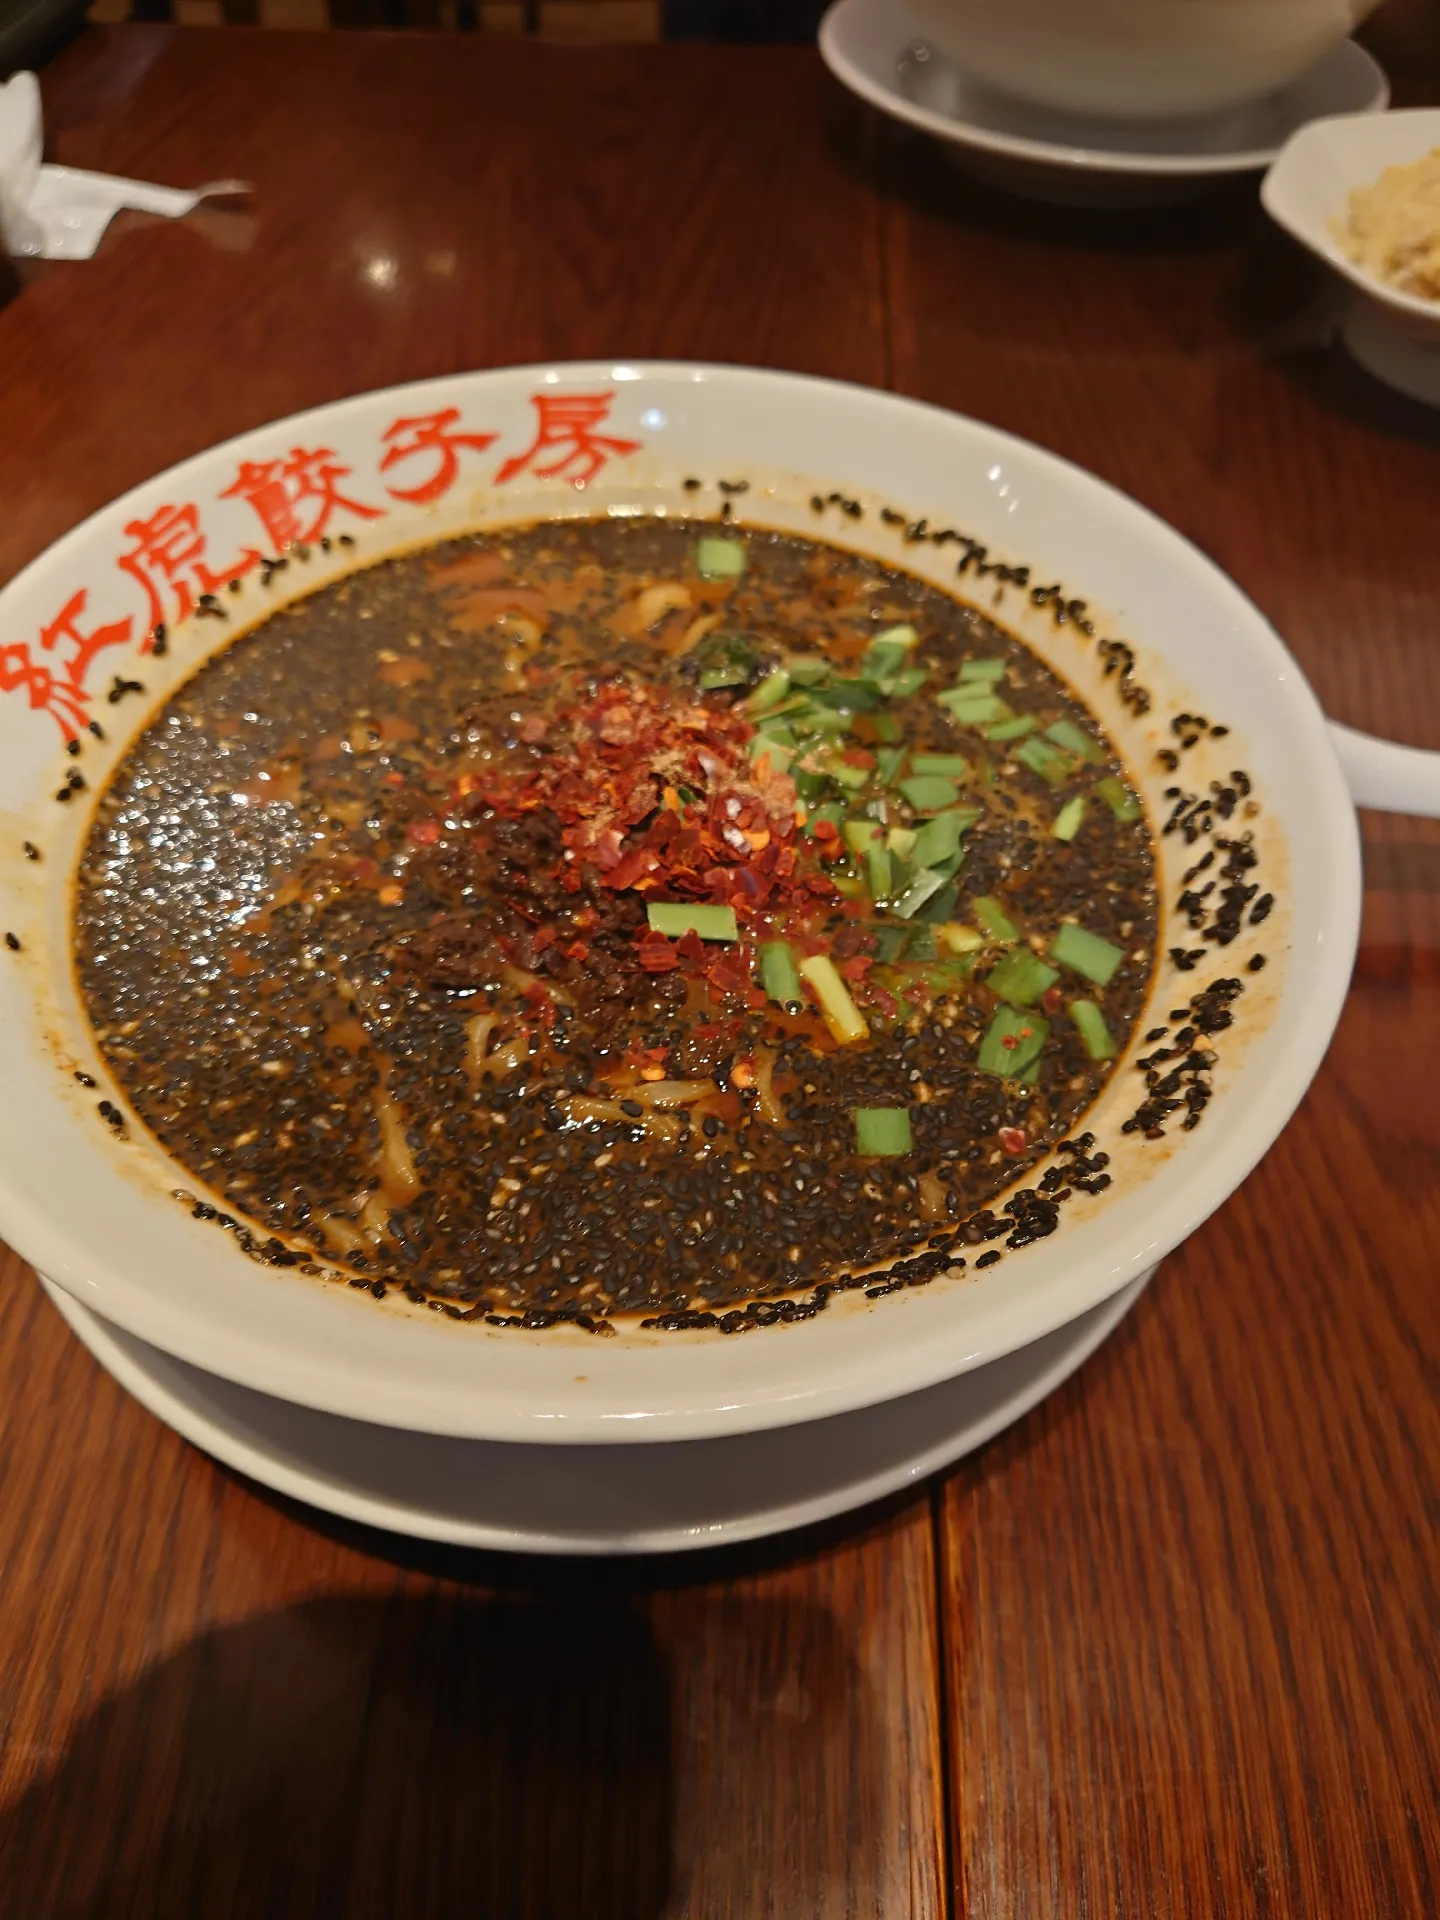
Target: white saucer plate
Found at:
877, 49
511, 1497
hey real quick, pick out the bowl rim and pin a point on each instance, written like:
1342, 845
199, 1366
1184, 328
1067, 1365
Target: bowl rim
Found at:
1011, 1321
1062, 155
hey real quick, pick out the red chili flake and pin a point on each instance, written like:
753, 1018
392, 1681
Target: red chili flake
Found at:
857, 757
690, 946
394, 779
1050, 1000
857, 968
1013, 1140
533, 728
424, 833
656, 954
826, 830
544, 937
1009, 1041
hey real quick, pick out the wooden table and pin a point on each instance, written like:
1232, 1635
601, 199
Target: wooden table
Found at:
1168, 1646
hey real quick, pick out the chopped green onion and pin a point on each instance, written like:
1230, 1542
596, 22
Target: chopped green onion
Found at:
1068, 820
953, 765
850, 884
1120, 800
776, 726
1085, 952
1021, 977
765, 746
904, 684
859, 834
993, 917
890, 943
1049, 762
676, 917
832, 811
778, 974
949, 976
1013, 1041
939, 838
1015, 729
921, 889
839, 1011
877, 870
941, 905
719, 559
1066, 734
888, 762
902, 840
902, 635
987, 670
929, 792
807, 671
885, 726
811, 786
844, 775
813, 719
883, 1131
770, 692
730, 674
975, 709
1093, 1030
850, 696
959, 939
922, 944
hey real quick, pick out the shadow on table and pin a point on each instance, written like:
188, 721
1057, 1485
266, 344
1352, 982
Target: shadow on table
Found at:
368, 1759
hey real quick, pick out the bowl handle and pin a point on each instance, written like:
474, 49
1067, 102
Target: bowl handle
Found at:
1381, 774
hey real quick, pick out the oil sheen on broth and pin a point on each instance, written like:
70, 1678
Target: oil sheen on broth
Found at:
616, 915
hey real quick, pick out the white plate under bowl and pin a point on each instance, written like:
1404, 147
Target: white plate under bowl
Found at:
877, 49
514, 1498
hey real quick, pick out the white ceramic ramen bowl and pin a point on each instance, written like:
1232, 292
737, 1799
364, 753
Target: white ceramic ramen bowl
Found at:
1394, 335
1139, 60
387, 470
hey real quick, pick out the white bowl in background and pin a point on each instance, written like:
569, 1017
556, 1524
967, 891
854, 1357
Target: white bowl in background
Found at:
1395, 335
96, 1215
1140, 60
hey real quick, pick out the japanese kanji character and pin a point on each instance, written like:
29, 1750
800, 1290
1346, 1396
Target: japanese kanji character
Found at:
431, 433
168, 552
566, 425
295, 497
59, 689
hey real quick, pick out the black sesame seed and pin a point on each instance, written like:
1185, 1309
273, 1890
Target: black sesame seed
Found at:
85, 1079
29, 849
1257, 962
12, 941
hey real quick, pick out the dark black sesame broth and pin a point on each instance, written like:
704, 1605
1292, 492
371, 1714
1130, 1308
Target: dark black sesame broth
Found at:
338, 967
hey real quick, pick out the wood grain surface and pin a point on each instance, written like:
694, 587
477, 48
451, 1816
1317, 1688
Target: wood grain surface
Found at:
1165, 1648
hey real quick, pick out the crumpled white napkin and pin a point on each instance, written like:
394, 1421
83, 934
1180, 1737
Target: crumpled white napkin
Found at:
60, 213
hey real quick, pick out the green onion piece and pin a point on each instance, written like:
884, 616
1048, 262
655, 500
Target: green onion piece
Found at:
719, 559
941, 905
969, 708
902, 635
731, 674
939, 838
883, 1131
776, 726
1120, 800
832, 811
770, 692
953, 765
778, 973
883, 661
922, 945
1013, 1041
904, 684
1068, 820
1066, 734
851, 696
921, 889
994, 919
1093, 1030
811, 786
676, 917
890, 943
766, 747
949, 976
1085, 952
877, 871
850, 884
813, 719
844, 775
888, 762
807, 671
1029, 1075
1021, 977
988, 670
859, 835
885, 726
902, 840
1015, 729
959, 939
1049, 762
839, 1011
929, 792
